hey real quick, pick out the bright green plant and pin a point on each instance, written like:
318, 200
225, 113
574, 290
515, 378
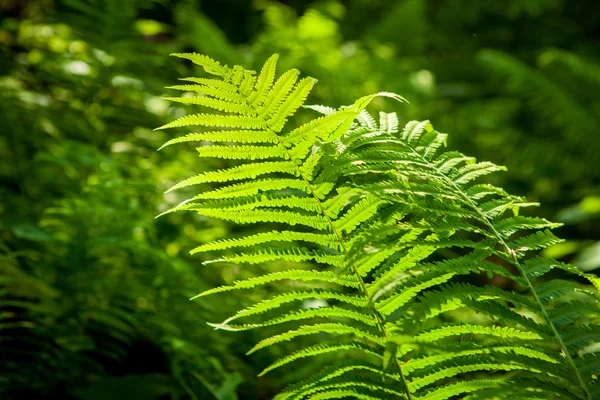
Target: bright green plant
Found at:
393, 240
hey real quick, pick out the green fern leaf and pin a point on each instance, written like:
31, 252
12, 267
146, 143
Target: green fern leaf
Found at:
242, 152
216, 104
226, 121
211, 66
321, 349
337, 329
298, 275
241, 136
388, 230
466, 329
326, 240
216, 92
247, 171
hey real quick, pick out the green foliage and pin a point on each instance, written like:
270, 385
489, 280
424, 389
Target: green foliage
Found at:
92, 306
392, 236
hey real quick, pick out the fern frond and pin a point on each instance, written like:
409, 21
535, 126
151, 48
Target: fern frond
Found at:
208, 64
397, 300
213, 83
327, 240
464, 366
241, 136
290, 105
455, 389
508, 226
210, 90
254, 216
278, 94
318, 128
298, 275
328, 374
571, 312
537, 241
291, 254
467, 329
219, 105
251, 188
246, 171
268, 200
320, 349
209, 120
331, 312
264, 81
394, 235
355, 383
275, 302
428, 361
456, 295
549, 291
331, 328
242, 152
340, 394
322, 312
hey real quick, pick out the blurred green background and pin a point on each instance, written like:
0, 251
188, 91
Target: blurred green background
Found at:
94, 291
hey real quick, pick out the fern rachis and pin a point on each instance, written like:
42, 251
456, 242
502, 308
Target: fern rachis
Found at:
383, 225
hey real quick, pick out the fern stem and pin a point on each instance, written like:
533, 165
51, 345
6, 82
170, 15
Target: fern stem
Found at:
519, 267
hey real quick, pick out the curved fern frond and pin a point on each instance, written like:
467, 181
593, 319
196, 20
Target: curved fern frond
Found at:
486, 207
320, 349
327, 240
394, 238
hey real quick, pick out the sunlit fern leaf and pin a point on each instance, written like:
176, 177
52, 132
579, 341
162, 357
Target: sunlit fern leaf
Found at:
327, 240
393, 237
319, 349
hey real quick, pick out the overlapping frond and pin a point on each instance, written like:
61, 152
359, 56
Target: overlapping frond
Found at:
404, 288
392, 237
